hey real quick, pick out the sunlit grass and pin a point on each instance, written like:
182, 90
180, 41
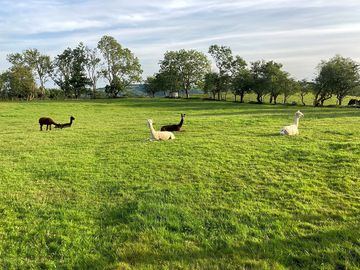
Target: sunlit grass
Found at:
228, 193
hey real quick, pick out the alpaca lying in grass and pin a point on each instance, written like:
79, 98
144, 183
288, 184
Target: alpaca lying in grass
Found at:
48, 122
72, 118
292, 129
175, 127
159, 135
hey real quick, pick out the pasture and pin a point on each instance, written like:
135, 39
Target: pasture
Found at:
227, 193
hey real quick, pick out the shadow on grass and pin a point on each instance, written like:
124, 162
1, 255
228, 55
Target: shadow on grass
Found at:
333, 248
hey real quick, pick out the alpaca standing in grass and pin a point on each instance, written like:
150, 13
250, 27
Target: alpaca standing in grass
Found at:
72, 118
48, 122
292, 129
175, 127
159, 135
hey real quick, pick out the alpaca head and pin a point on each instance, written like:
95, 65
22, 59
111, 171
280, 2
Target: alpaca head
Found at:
183, 115
150, 122
72, 118
299, 114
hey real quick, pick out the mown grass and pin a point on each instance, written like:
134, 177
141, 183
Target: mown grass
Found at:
228, 193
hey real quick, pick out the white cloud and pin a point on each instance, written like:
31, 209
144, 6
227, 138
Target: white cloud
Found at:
299, 32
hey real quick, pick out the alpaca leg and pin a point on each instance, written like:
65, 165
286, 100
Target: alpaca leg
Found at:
41, 127
47, 127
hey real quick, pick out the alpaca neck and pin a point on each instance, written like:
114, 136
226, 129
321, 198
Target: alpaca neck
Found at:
181, 121
152, 130
71, 121
296, 121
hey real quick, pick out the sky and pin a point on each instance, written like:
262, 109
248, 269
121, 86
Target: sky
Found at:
297, 33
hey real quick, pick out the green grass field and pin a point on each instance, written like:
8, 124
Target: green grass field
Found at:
228, 193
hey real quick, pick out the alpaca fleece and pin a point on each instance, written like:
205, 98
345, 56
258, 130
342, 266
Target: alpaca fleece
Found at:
159, 135
293, 129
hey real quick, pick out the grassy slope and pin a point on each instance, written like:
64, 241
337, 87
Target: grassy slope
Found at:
228, 193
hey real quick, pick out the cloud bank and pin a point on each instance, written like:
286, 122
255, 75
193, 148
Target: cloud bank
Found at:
296, 33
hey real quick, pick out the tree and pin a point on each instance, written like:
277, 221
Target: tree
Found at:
240, 78
337, 76
151, 86
288, 86
18, 82
61, 74
189, 66
121, 67
224, 61
305, 88
258, 79
78, 80
41, 66
242, 83
273, 77
212, 84
92, 64
69, 73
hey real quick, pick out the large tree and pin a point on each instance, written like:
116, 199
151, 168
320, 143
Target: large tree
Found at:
242, 83
92, 66
41, 66
38, 63
337, 76
19, 82
258, 80
69, 71
224, 61
121, 69
212, 84
190, 66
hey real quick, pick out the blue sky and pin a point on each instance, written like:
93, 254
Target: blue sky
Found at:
297, 33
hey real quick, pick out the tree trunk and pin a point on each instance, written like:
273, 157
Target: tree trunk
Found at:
219, 95
187, 93
302, 100
259, 98
271, 98
234, 97
340, 100
275, 97
242, 97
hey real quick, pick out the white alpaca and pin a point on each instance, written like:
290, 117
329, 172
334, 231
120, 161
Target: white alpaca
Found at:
159, 135
292, 129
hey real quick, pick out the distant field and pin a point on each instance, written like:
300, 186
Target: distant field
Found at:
228, 193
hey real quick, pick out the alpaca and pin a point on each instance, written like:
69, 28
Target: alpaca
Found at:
48, 122
174, 127
159, 135
66, 124
292, 129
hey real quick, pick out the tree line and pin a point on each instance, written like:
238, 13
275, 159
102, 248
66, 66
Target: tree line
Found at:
76, 72
183, 70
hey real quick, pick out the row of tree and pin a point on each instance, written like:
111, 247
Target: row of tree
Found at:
77, 72
183, 70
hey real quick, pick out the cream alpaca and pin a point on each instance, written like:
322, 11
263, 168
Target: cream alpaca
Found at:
292, 129
159, 135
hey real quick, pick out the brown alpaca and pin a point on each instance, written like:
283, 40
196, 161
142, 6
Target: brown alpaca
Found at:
67, 124
47, 121
174, 127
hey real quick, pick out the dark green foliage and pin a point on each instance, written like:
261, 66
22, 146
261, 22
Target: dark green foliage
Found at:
338, 76
121, 67
69, 73
188, 67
